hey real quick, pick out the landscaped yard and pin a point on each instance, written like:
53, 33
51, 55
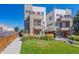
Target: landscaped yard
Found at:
47, 47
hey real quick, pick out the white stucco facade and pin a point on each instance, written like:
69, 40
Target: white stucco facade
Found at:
59, 22
55, 15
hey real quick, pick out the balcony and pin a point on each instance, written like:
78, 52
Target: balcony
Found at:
37, 24
38, 27
35, 16
65, 18
63, 28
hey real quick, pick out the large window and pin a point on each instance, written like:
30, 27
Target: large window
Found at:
42, 13
65, 24
38, 13
37, 22
50, 18
57, 14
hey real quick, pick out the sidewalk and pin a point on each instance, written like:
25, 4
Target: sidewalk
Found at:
13, 48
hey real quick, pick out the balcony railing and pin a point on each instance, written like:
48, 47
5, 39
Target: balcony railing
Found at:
62, 28
38, 27
64, 19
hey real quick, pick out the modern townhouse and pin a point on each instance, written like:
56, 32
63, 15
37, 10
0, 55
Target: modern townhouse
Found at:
59, 22
35, 19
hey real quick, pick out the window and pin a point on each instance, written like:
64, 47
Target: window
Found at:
60, 24
43, 22
42, 13
67, 24
33, 12
50, 17
37, 22
27, 10
57, 14
38, 13
67, 16
61, 16
56, 24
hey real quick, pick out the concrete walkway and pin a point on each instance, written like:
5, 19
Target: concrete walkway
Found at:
62, 39
14, 47
67, 41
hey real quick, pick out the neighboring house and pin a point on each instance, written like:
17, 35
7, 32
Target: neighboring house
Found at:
59, 22
5, 28
35, 19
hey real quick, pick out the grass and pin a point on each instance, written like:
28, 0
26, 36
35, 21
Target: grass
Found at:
47, 47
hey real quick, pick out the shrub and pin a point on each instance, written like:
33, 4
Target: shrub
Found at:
47, 37
50, 36
25, 38
74, 37
37, 37
32, 37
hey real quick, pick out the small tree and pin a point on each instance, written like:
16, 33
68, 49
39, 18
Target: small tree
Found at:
22, 30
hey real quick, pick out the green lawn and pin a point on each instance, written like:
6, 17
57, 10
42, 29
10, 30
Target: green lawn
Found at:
47, 47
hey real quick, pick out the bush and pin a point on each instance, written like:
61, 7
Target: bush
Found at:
30, 37
74, 37
50, 36
33, 37
47, 37
36, 37
25, 38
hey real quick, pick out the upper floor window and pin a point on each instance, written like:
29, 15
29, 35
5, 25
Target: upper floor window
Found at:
27, 10
38, 13
33, 12
37, 22
57, 15
56, 24
67, 16
43, 22
42, 13
50, 17
61, 16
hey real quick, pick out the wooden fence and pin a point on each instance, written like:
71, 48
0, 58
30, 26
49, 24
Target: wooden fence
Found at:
5, 41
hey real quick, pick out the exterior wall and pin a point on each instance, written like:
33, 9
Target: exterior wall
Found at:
35, 13
50, 23
40, 9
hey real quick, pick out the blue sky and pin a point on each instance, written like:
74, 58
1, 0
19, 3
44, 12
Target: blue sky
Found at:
13, 14
49, 7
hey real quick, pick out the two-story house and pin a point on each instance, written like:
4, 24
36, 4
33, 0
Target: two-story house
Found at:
59, 22
35, 19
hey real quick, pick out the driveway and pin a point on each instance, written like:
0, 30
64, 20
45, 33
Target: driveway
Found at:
13, 48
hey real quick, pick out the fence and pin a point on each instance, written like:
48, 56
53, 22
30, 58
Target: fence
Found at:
5, 41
